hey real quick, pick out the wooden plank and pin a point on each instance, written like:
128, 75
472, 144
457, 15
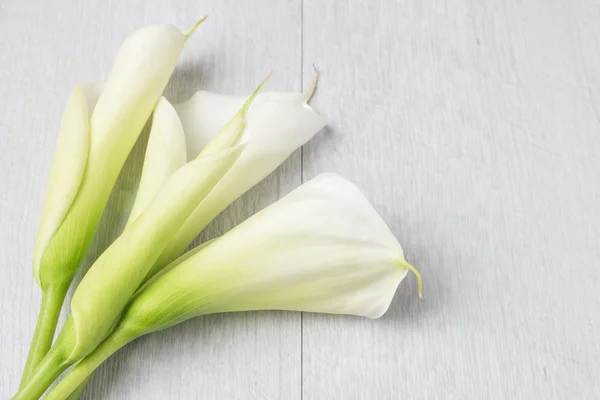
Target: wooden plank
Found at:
47, 47
473, 128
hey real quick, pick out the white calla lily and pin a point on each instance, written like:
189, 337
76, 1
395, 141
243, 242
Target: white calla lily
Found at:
322, 248
98, 131
277, 125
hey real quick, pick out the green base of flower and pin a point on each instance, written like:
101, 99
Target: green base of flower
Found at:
73, 384
56, 361
60, 357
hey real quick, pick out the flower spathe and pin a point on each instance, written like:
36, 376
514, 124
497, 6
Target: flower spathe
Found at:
322, 248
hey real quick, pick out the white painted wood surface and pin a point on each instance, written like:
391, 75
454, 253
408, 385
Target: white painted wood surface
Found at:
473, 127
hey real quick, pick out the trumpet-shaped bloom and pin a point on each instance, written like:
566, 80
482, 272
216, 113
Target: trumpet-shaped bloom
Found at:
322, 248
98, 131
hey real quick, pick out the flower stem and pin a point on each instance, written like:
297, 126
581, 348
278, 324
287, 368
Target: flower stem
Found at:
52, 300
77, 393
53, 364
79, 375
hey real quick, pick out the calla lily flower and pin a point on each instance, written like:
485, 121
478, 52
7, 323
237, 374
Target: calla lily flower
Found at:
277, 123
109, 284
99, 129
322, 248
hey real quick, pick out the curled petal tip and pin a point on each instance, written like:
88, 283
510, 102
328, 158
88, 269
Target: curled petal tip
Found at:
196, 25
313, 86
415, 271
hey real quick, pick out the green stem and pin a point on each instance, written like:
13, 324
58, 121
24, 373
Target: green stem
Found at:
78, 376
52, 300
53, 364
76, 395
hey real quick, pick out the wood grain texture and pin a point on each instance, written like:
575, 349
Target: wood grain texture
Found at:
473, 127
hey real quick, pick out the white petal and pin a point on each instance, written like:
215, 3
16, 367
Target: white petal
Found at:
165, 154
69, 165
233, 130
278, 120
322, 248
277, 124
140, 73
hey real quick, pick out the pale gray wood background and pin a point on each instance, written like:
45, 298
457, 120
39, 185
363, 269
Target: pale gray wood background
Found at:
474, 128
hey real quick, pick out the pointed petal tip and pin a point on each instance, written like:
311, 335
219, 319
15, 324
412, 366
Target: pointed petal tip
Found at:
313, 86
255, 93
415, 271
260, 86
196, 25
266, 78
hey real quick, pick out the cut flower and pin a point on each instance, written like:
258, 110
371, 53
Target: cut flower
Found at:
322, 248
